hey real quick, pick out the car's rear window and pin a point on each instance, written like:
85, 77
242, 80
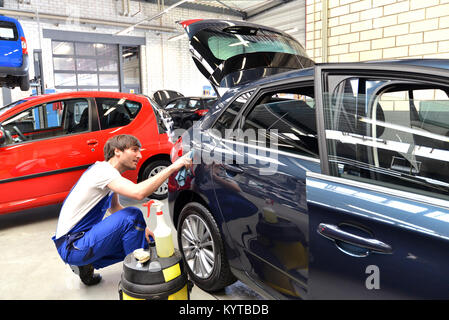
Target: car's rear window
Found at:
8, 31
225, 44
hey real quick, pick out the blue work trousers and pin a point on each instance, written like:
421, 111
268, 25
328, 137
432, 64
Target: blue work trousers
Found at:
108, 241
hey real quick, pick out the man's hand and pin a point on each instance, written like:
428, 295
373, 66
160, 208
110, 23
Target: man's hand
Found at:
146, 187
184, 161
148, 233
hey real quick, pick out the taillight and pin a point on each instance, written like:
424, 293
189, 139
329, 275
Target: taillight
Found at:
176, 150
24, 45
201, 112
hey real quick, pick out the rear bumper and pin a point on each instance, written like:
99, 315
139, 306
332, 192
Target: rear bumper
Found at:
16, 71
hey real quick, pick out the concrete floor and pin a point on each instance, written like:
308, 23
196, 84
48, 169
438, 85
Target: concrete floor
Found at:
30, 267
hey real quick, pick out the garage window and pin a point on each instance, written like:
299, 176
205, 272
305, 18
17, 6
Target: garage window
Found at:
85, 66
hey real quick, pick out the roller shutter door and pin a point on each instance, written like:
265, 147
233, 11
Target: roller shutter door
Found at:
286, 17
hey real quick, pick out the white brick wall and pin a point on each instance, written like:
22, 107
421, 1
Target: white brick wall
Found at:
379, 29
172, 69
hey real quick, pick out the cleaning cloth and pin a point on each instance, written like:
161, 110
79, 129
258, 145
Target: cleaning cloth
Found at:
141, 255
184, 173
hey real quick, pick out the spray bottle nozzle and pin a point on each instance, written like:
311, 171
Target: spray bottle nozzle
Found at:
156, 203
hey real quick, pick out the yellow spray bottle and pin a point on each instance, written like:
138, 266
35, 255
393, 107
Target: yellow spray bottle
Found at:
162, 233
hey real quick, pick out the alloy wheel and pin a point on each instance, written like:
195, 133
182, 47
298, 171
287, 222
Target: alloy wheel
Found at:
198, 246
163, 189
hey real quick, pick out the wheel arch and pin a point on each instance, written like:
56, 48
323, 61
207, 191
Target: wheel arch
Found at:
185, 197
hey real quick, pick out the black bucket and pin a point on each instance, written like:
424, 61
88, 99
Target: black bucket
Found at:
156, 279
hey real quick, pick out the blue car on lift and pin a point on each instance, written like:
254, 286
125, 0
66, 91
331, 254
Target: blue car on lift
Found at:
330, 181
14, 61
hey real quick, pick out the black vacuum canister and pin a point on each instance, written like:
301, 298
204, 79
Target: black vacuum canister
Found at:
156, 279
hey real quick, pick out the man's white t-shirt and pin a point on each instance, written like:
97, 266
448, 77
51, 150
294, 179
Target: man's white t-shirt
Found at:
88, 191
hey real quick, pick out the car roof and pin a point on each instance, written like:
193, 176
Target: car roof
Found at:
202, 98
190, 97
433, 63
4, 18
195, 97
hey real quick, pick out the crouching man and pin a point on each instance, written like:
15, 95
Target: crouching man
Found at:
83, 238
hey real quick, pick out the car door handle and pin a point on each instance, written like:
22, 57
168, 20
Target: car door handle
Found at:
333, 232
92, 142
233, 169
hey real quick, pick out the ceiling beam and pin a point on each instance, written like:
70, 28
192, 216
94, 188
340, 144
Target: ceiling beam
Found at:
265, 7
239, 12
199, 7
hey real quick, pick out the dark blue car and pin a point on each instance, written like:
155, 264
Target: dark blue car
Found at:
14, 61
330, 181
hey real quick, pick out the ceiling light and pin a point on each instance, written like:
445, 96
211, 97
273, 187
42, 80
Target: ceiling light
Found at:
291, 30
130, 28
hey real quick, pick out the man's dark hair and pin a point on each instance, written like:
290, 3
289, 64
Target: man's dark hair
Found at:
121, 142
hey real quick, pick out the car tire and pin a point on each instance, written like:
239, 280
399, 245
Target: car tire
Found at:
24, 83
152, 169
204, 254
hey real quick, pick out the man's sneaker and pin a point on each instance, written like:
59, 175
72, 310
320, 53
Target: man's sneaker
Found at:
86, 274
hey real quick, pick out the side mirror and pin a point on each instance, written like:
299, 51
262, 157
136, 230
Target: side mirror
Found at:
2, 136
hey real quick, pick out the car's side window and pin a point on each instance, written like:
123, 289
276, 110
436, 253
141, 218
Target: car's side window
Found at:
181, 104
171, 105
78, 116
133, 108
48, 120
288, 117
225, 120
116, 112
391, 133
194, 103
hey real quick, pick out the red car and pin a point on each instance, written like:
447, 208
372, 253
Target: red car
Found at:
47, 142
